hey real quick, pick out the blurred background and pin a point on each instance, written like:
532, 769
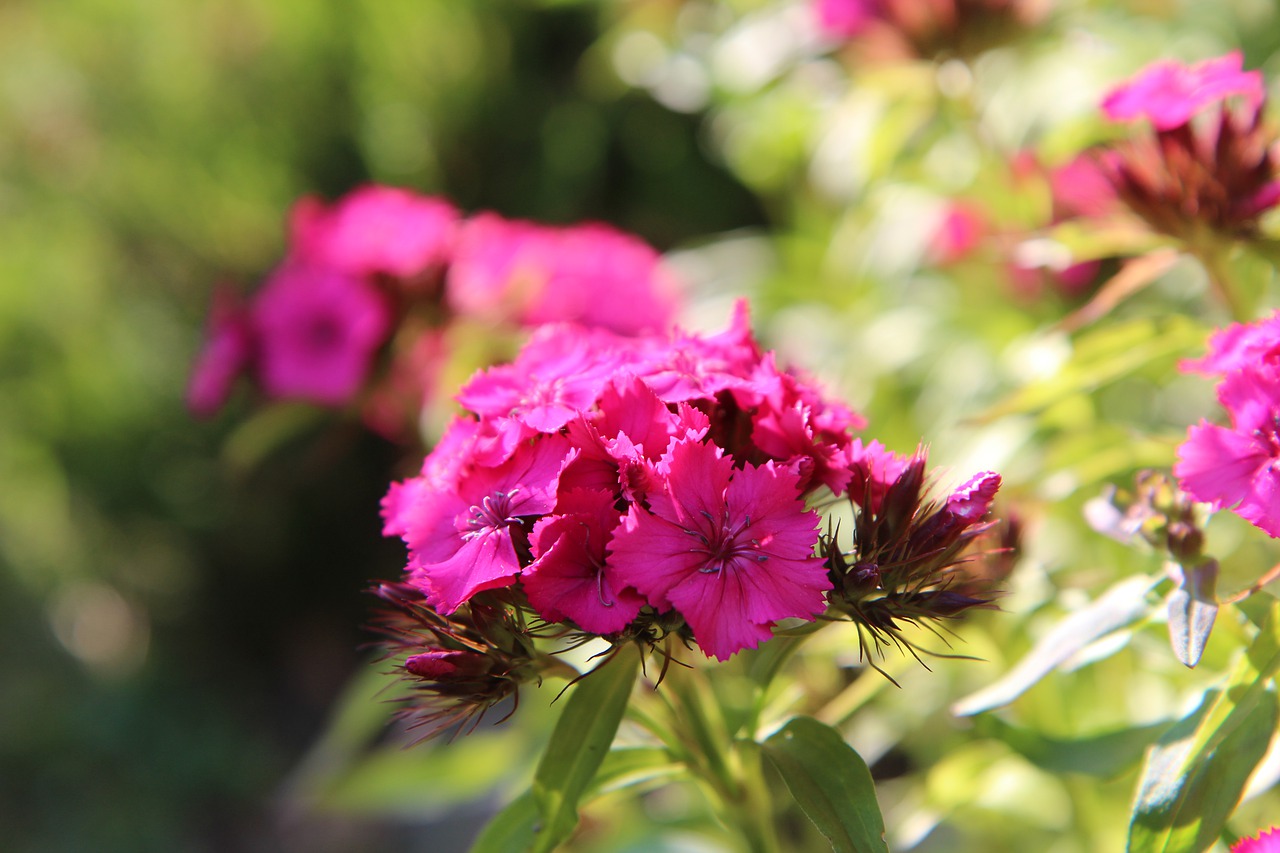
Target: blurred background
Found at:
181, 602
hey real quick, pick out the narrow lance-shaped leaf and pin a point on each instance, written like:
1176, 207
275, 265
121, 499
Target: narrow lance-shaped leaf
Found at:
1119, 606
1193, 608
1194, 775
831, 783
579, 744
515, 828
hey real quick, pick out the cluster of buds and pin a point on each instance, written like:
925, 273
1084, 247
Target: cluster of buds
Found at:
1207, 165
1155, 511
1238, 467
913, 559
657, 490
361, 306
926, 28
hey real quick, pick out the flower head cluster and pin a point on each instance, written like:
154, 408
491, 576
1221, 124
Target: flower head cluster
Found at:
925, 28
1238, 467
1208, 162
369, 282
608, 481
913, 558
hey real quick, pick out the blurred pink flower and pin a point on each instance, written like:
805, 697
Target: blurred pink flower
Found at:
317, 330
1238, 468
1081, 189
844, 19
961, 230
1169, 93
1267, 841
227, 352
591, 274
375, 229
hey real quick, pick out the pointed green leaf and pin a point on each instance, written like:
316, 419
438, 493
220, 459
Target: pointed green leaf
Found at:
515, 828
1121, 605
1193, 608
579, 744
831, 783
1195, 774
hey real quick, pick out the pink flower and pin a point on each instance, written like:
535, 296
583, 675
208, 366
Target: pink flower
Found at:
590, 274
569, 579
375, 229
844, 19
227, 351
1169, 93
1080, 189
960, 232
732, 551
1267, 841
1239, 346
317, 331
463, 536
873, 470
1238, 468
606, 278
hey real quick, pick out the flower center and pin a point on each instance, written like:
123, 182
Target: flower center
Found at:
492, 513
725, 545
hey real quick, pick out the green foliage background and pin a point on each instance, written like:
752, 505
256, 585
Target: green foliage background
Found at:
179, 601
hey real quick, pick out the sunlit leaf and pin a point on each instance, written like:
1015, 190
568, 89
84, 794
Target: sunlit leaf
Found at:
1121, 605
1193, 608
830, 782
579, 744
1195, 774
1101, 755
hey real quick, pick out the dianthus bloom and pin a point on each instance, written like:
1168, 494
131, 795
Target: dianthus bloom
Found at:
844, 19
1238, 468
1209, 161
1267, 841
612, 482
1240, 346
1169, 94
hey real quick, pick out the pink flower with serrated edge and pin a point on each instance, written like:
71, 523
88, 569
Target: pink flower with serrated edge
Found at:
558, 374
1239, 346
606, 278
375, 229
1267, 841
1170, 93
317, 330
1238, 468
227, 352
873, 469
731, 551
463, 540
569, 578
441, 471
689, 367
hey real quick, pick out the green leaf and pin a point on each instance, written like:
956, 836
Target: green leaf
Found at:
1193, 608
1121, 605
579, 744
515, 828
1104, 355
1102, 755
831, 783
1195, 774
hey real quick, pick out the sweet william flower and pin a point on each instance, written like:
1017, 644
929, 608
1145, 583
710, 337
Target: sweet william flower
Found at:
317, 330
569, 579
375, 229
730, 550
1238, 468
1169, 94
227, 352
1267, 841
1239, 346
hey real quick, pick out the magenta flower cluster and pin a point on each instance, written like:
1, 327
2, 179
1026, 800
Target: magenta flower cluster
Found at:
609, 480
384, 263
1238, 467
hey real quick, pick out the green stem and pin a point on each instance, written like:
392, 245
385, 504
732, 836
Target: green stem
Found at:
1213, 259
